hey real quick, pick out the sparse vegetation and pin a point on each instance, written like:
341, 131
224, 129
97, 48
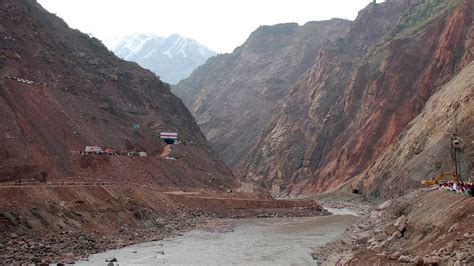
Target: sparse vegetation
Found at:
421, 15
411, 22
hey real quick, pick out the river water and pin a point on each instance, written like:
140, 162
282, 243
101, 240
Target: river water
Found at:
264, 241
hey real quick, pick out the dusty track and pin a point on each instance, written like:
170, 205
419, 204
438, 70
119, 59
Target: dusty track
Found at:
194, 199
166, 151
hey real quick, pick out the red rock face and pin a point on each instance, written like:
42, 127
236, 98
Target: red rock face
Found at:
423, 149
361, 93
61, 90
235, 96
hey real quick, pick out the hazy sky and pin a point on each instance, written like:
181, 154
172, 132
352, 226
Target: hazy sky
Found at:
221, 25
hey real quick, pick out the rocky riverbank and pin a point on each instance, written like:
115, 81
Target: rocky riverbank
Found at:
68, 246
84, 221
423, 227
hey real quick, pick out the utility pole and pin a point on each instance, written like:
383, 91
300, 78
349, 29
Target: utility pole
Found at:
456, 146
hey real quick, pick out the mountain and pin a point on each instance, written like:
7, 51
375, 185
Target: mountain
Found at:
235, 96
361, 94
172, 58
350, 106
62, 90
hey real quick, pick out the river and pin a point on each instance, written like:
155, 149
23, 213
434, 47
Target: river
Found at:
264, 241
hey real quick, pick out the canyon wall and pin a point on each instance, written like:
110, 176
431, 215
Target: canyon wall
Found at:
235, 96
355, 95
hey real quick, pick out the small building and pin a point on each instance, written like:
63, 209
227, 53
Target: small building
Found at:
136, 126
142, 154
169, 137
93, 149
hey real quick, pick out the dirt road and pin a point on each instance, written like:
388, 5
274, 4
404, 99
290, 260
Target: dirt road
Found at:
166, 151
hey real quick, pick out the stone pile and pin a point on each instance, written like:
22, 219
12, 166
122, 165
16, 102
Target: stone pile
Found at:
386, 239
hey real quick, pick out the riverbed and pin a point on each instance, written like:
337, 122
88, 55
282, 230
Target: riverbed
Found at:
264, 241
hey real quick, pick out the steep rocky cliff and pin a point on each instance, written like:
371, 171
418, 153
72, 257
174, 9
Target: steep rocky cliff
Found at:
361, 93
61, 90
234, 96
423, 149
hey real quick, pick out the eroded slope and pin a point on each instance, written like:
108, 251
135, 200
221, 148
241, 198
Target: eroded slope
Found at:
62, 90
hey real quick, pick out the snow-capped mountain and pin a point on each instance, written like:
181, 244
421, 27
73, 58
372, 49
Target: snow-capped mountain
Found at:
172, 58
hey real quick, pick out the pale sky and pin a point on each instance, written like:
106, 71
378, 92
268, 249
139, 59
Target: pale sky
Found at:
221, 25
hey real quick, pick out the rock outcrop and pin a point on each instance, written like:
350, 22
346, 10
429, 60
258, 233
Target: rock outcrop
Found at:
61, 90
423, 149
235, 96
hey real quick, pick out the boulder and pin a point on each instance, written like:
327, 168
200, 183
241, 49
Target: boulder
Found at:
417, 260
395, 255
111, 259
404, 259
384, 205
374, 215
431, 260
362, 240
35, 259
361, 226
461, 255
346, 240
379, 237
401, 223
390, 229
450, 247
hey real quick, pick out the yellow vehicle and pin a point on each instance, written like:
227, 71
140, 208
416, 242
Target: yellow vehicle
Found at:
456, 147
435, 180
